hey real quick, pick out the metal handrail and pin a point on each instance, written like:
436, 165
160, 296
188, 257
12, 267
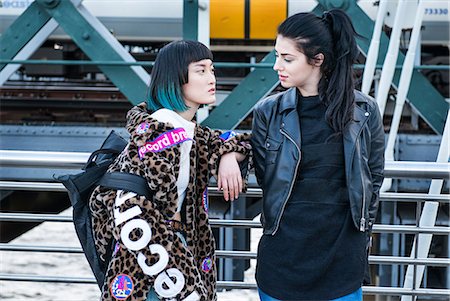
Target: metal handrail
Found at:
217, 64
373, 259
408, 197
370, 290
400, 169
35, 217
213, 191
43, 159
393, 169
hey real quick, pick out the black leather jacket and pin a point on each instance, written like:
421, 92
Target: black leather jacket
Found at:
276, 143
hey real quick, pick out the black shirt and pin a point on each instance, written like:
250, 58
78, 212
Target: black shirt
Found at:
316, 254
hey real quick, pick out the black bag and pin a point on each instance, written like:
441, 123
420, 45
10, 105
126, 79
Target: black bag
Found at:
80, 187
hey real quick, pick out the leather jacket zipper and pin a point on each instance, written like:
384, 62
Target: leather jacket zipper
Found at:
362, 224
292, 184
362, 221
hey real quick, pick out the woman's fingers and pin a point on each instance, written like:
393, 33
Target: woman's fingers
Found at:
236, 187
240, 183
225, 189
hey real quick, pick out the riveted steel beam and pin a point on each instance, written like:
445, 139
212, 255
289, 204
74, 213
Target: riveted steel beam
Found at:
429, 103
99, 44
21, 31
258, 84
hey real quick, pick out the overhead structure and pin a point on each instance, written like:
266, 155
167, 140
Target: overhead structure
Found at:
85, 30
428, 102
31, 29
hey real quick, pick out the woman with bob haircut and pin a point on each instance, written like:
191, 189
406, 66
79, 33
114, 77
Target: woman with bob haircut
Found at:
318, 152
164, 246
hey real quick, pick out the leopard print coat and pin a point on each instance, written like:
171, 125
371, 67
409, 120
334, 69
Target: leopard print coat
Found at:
148, 254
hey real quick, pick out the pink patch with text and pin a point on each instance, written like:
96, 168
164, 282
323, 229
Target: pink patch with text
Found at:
165, 140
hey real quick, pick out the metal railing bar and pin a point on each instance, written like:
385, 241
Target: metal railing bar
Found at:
377, 259
42, 249
410, 229
398, 291
234, 223
377, 228
34, 217
413, 169
393, 169
373, 259
40, 278
229, 285
19, 158
32, 186
217, 65
213, 191
408, 197
251, 192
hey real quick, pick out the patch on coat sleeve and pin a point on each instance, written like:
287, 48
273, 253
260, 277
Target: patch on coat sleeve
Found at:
142, 128
121, 287
207, 264
227, 135
116, 248
205, 200
163, 141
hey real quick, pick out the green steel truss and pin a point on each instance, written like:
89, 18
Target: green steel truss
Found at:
87, 32
21, 31
97, 43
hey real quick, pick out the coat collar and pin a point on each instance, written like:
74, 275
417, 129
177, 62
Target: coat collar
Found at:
291, 123
288, 99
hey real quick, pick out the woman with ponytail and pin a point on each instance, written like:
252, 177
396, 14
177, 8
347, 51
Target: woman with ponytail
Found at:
318, 155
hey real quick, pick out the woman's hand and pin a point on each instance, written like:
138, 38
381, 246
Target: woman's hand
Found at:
229, 176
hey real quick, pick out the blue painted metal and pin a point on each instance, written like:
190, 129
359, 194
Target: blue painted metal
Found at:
96, 47
22, 31
242, 99
429, 103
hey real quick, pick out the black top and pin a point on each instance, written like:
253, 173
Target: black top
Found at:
316, 254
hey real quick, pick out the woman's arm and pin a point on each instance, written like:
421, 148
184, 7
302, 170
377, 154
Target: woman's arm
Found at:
229, 175
259, 132
227, 150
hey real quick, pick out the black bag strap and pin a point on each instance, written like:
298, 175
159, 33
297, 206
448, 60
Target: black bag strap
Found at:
126, 181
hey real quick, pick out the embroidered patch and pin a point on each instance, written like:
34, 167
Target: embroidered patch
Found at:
205, 200
116, 248
165, 140
207, 264
227, 135
142, 128
121, 287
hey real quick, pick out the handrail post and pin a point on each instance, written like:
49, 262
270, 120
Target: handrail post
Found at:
427, 218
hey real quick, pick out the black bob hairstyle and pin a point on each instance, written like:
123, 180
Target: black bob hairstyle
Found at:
170, 73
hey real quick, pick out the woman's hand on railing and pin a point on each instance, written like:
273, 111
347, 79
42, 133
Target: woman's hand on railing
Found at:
229, 177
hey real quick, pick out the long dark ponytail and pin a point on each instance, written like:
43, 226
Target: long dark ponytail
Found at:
333, 35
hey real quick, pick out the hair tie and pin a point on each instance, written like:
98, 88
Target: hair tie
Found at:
324, 18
